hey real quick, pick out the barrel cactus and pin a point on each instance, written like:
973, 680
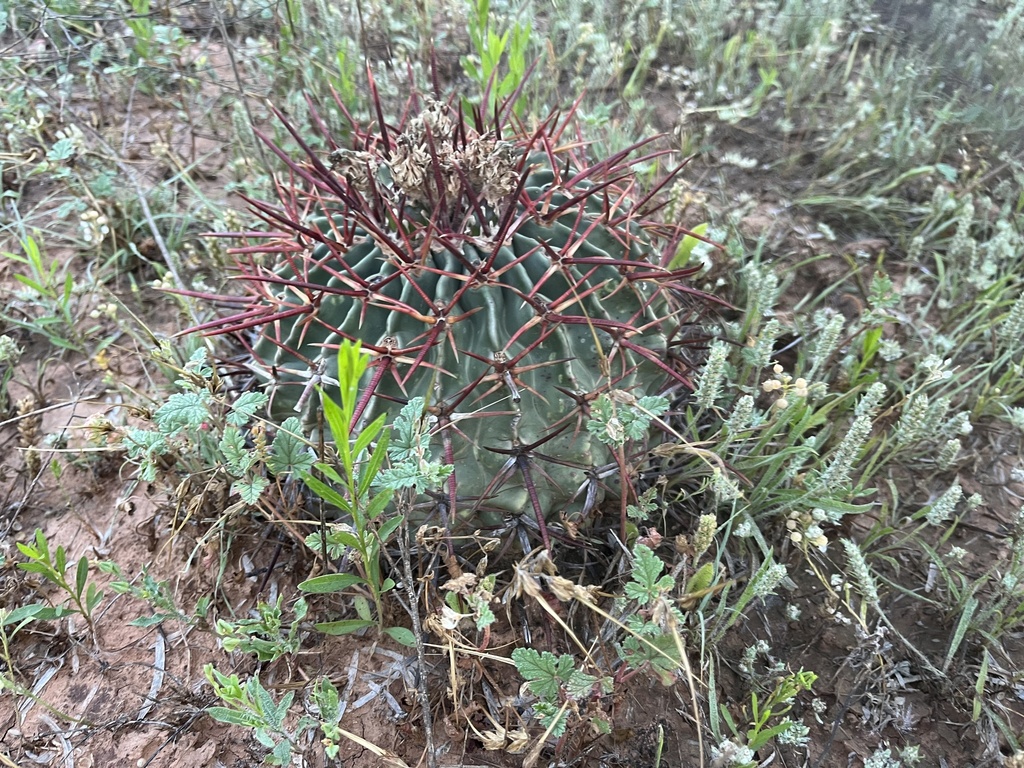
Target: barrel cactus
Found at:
495, 274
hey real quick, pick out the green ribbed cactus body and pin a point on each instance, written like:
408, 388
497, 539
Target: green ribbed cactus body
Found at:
485, 409
507, 282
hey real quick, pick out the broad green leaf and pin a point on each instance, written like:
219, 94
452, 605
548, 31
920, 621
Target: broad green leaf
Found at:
283, 752
81, 575
234, 717
343, 627
35, 611
378, 503
330, 582
389, 527
335, 417
327, 493
263, 737
362, 606
372, 467
330, 473
34, 567
682, 256
401, 635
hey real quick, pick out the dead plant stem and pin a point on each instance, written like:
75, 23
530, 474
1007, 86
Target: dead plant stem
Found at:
404, 508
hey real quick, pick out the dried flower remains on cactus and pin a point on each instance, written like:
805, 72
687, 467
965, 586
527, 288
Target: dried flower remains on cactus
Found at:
493, 273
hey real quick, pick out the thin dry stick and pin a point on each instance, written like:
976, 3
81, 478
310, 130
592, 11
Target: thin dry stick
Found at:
404, 507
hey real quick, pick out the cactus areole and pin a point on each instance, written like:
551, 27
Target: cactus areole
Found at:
504, 280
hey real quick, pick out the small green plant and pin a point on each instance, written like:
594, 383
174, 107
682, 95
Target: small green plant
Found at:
618, 419
325, 696
263, 635
767, 717
483, 66
157, 594
203, 430
83, 596
361, 489
558, 685
251, 705
46, 305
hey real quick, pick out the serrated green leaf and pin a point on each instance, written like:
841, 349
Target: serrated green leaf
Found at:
580, 685
236, 454
544, 672
645, 584
552, 716
183, 410
243, 409
413, 474
288, 453
250, 488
